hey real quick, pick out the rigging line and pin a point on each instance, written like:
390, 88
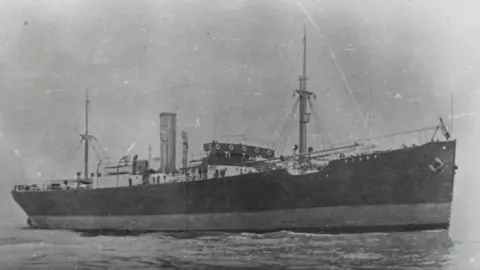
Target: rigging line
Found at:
315, 116
337, 65
281, 146
327, 122
325, 139
319, 121
73, 128
91, 114
77, 123
100, 145
318, 130
94, 122
283, 136
77, 117
70, 152
391, 135
322, 132
96, 152
285, 129
294, 67
279, 139
285, 125
333, 128
95, 149
320, 135
290, 126
280, 135
282, 105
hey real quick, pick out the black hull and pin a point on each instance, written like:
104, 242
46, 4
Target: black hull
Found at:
389, 191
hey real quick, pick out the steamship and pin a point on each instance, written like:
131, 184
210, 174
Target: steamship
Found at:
244, 187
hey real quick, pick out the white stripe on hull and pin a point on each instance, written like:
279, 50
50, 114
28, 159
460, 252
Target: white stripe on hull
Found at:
322, 217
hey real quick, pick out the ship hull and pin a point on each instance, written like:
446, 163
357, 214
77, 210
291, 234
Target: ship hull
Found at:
341, 219
390, 191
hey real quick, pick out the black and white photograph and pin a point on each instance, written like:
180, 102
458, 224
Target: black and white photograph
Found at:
239, 134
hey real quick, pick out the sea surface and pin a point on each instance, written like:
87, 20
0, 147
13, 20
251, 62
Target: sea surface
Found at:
23, 248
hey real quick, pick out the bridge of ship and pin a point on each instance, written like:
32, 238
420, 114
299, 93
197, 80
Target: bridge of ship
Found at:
223, 160
232, 154
226, 160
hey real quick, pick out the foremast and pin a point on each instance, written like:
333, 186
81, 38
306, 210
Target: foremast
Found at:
303, 96
86, 138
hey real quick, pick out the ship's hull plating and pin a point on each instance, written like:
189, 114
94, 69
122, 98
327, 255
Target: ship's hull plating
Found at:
390, 191
322, 219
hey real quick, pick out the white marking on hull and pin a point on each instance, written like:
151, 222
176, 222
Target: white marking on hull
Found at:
324, 217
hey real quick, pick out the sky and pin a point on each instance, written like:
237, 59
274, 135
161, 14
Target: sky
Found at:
232, 67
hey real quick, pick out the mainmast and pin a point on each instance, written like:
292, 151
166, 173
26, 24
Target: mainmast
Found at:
303, 96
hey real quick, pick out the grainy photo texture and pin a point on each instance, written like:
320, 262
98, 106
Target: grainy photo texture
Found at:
239, 134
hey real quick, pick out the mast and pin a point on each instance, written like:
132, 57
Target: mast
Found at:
86, 135
303, 96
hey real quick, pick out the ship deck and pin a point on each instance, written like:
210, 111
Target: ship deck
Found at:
312, 163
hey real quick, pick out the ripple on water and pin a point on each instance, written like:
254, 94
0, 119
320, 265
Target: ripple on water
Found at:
66, 250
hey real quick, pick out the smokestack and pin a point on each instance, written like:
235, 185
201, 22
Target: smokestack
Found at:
185, 151
168, 133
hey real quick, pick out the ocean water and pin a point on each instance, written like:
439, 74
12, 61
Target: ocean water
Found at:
23, 248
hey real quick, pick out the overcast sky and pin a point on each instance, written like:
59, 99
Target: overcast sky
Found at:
234, 61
